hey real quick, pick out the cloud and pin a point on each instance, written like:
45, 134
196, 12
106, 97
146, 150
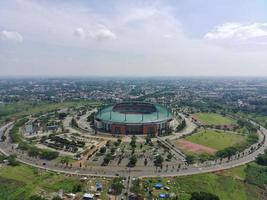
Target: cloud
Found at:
11, 36
237, 31
100, 33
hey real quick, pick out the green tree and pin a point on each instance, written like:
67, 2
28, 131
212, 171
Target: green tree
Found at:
37, 197
103, 150
132, 161
12, 160
117, 185
190, 159
158, 161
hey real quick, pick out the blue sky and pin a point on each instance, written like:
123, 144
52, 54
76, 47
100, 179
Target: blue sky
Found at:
133, 38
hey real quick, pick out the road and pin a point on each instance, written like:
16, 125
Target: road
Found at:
246, 157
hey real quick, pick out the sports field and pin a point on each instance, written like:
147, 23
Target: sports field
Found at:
216, 139
213, 119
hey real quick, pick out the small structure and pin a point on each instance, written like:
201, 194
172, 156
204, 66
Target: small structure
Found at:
163, 196
158, 186
99, 187
88, 196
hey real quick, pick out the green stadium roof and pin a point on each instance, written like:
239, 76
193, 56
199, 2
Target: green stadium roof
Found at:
108, 115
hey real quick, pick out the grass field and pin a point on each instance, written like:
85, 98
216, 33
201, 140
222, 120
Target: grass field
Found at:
214, 119
21, 182
228, 185
216, 139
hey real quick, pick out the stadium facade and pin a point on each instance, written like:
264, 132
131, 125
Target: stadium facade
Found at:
133, 118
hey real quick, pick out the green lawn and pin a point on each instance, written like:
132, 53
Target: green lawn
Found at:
214, 119
223, 184
216, 139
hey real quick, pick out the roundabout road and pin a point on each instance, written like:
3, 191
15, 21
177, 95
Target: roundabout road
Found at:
245, 157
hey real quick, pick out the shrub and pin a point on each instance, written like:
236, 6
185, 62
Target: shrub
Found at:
203, 196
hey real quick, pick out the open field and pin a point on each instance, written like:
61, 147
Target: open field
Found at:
213, 119
20, 182
227, 184
216, 139
188, 146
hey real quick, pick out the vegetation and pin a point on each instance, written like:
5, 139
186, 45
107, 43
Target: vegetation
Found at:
214, 119
262, 159
226, 185
22, 182
14, 132
256, 175
74, 123
158, 161
203, 196
117, 185
218, 140
181, 126
132, 161
20, 109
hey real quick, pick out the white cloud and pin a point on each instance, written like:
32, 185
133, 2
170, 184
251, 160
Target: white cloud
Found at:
10, 36
100, 33
237, 31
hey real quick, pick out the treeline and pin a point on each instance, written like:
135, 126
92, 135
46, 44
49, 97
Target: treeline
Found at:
91, 117
181, 126
37, 152
230, 151
246, 124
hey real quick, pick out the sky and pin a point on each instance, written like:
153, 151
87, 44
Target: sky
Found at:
133, 38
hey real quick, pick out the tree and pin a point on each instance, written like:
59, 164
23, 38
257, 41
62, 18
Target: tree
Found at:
190, 159
74, 123
77, 188
62, 116
57, 198
107, 159
65, 160
133, 142
48, 154
262, 159
103, 150
112, 150
203, 196
12, 160
3, 137
145, 162
132, 161
37, 197
158, 161
169, 156
117, 185
33, 152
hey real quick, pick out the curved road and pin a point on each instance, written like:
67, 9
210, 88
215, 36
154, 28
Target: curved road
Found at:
245, 157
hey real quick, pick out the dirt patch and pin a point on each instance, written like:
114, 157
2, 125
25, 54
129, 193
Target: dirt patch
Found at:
195, 148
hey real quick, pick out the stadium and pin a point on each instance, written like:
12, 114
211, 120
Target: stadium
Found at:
133, 118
